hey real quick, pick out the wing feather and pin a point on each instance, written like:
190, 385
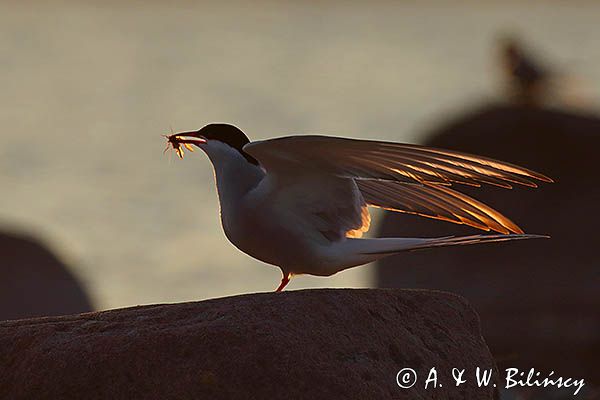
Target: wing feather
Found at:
400, 177
386, 160
434, 201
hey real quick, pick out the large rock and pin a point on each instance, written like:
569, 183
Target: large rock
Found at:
534, 295
34, 282
314, 344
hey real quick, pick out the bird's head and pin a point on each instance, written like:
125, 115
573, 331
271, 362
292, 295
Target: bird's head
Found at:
211, 135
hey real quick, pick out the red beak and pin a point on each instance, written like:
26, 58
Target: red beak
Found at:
189, 137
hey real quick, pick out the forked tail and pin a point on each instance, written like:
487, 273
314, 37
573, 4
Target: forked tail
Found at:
387, 246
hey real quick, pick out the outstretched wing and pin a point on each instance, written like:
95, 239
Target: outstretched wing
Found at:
439, 202
390, 161
400, 177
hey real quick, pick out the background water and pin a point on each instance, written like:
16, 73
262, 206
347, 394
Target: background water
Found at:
86, 90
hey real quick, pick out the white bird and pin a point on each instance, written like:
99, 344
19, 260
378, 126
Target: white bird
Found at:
300, 202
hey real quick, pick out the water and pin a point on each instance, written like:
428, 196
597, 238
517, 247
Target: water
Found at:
86, 91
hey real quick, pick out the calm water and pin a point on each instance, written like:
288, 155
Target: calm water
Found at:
86, 91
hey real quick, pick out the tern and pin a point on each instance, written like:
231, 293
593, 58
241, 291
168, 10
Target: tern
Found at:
300, 203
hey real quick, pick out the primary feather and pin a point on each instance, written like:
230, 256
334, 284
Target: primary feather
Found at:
390, 161
437, 202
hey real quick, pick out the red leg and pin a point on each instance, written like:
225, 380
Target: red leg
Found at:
284, 281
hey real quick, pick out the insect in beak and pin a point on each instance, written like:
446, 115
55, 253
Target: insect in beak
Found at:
178, 141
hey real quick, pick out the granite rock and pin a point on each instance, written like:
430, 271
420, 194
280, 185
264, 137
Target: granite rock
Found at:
313, 344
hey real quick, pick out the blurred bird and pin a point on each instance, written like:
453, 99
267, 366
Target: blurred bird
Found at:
526, 76
532, 82
300, 202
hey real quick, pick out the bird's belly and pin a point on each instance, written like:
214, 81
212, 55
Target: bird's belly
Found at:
267, 240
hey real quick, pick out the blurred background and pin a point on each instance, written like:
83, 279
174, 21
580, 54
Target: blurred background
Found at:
94, 216
88, 88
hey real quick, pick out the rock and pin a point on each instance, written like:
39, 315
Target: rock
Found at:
34, 282
313, 344
535, 295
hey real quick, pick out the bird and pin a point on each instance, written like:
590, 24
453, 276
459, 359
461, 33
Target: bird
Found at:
301, 203
527, 77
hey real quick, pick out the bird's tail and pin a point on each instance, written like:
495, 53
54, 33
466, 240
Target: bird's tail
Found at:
386, 246
353, 252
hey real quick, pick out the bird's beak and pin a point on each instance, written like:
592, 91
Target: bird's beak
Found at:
189, 137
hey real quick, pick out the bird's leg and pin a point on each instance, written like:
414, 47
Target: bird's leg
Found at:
284, 281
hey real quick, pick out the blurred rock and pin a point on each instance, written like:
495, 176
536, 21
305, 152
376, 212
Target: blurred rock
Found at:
34, 282
538, 300
312, 344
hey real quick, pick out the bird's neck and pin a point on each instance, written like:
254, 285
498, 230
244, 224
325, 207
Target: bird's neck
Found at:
235, 175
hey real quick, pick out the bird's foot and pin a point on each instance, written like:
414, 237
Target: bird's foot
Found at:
284, 281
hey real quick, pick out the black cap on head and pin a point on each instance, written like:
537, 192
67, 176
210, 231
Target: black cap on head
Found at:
230, 135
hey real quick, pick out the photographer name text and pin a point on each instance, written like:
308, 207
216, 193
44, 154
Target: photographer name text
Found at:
511, 378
